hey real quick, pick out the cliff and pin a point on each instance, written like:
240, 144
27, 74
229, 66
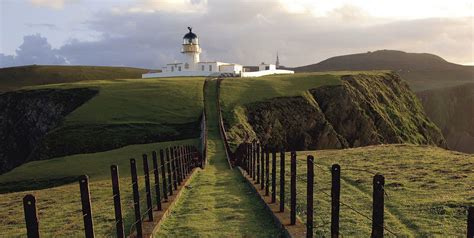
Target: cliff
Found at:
453, 111
27, 116
362, 110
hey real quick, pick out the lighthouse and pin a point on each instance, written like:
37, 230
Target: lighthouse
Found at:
192, 66
190, 50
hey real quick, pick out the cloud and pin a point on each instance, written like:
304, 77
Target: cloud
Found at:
54, 4
151, 6
34, 50
250, 32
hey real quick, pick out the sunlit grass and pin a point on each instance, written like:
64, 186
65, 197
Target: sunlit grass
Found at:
427, 189
59, 208
218, 202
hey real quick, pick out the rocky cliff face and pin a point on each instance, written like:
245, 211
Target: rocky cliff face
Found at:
293, 123
363, 110
27, 116
452, 109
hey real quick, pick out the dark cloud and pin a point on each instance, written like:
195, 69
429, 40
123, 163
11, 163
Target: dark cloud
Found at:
250, 32
34, 50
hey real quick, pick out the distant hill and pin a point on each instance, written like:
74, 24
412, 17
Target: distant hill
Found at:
445, 88
16, 77
422, 71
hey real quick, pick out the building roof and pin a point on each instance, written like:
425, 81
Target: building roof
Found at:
190, 35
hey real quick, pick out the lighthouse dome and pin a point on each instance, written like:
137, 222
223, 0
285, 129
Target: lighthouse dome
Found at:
190, 37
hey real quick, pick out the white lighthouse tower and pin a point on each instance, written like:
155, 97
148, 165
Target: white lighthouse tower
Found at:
191, 50
192, 66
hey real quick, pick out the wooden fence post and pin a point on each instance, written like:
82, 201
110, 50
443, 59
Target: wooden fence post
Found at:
293, 189
470, 222
168, 163
117, 202
188, 159
246, 158
378, 206
262, 168
250, 159
182, 162
178, 165
309, 198
136, 198
185, 157
31, 216
179, 175
243, 161
282, 180
173, 166
267, 172
335, 198
149, 202
257, 158
163, 174
86, 206
254, 158
274, 171
157, 181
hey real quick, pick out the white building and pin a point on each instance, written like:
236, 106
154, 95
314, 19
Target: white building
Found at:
192, 66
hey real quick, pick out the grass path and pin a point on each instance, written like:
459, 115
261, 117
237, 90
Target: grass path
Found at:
218, 201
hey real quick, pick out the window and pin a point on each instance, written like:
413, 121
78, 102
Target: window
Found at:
267, 67
172, 68
179, 68
186, 66
202, 67
210, 67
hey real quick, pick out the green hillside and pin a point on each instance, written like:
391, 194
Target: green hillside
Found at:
128, 117
128, 112
13, 78
428, 189
325, 110
59, 206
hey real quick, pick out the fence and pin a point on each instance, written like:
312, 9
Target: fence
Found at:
204, 132
221, 125
176, 164
254, 160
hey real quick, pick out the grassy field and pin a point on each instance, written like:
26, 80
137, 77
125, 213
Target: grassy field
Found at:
218, 202
14, 78
96, 165
59, 208
427, 189
128, 111
241, 91
121, 121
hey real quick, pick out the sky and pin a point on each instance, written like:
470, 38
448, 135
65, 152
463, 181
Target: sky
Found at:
148, 33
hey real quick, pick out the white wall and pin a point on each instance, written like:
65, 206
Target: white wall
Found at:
179, 74
266, 72
215, 66
231, 68
261, 67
